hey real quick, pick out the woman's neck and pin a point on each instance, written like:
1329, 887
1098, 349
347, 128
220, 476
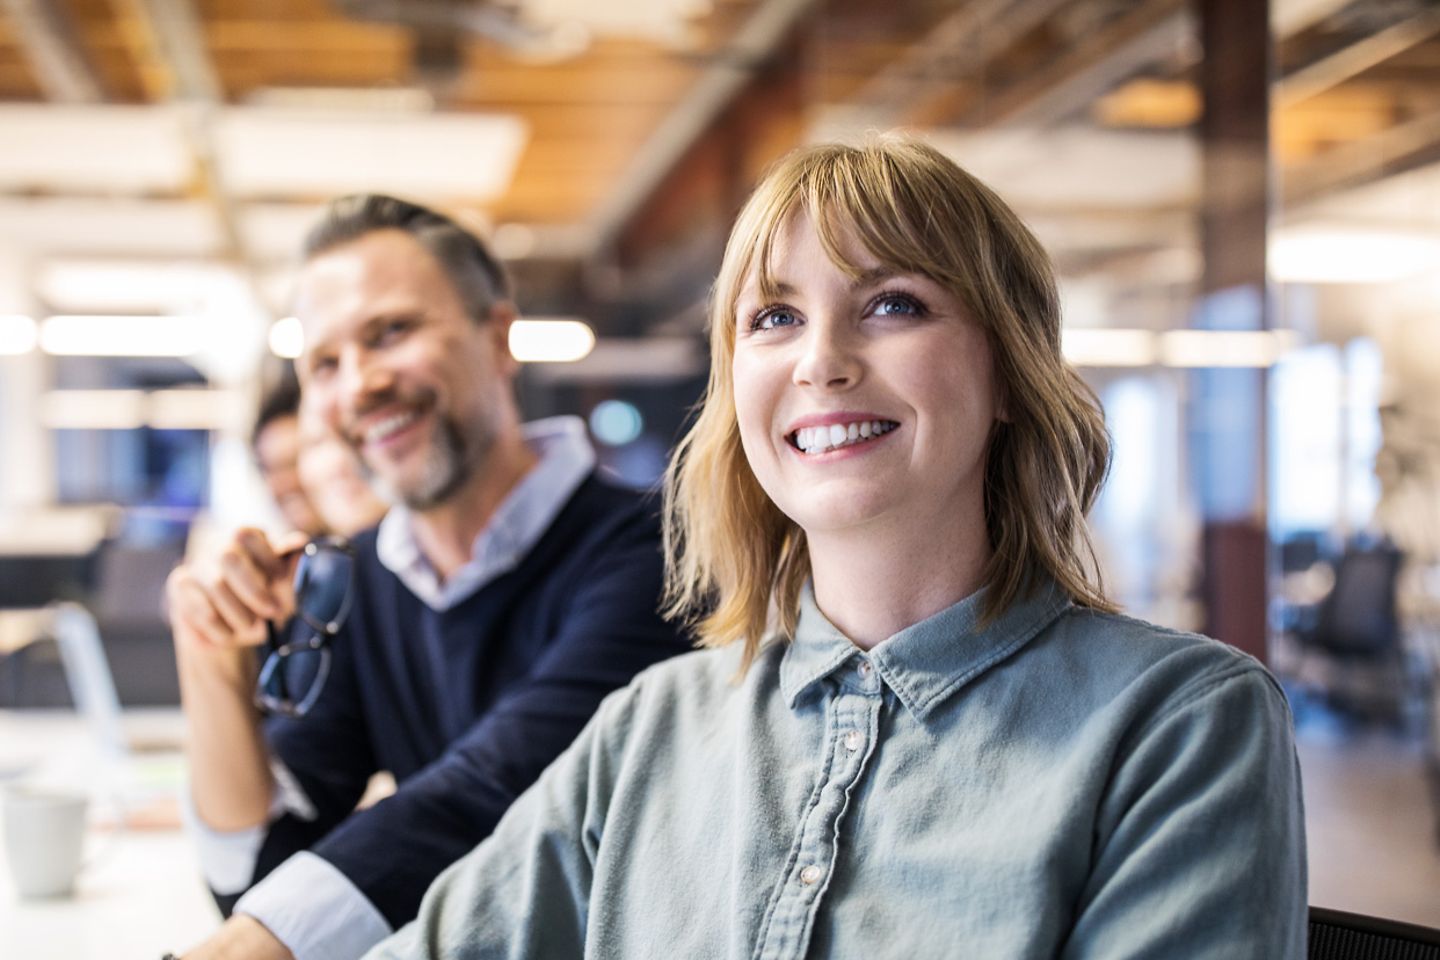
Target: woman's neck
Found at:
873, 584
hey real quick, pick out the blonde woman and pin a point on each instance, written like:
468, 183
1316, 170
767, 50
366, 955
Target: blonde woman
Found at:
920, 730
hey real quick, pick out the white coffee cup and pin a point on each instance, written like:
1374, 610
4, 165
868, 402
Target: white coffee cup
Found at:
44, 839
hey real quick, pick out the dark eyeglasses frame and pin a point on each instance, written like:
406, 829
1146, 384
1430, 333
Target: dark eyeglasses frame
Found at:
319, 637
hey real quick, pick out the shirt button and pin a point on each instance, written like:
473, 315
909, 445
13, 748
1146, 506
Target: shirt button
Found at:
810, 874
864, 668
854, 741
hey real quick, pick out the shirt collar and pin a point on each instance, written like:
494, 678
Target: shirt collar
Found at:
925, 662
566, 459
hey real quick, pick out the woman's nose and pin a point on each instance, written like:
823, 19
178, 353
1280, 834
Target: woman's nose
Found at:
828, 359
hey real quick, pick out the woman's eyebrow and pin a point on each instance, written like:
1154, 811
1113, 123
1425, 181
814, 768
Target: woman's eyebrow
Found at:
873, 276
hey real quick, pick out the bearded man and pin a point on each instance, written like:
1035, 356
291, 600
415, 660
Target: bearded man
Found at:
466, 639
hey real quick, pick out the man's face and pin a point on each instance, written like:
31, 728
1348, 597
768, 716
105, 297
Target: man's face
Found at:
277, 450
395, 366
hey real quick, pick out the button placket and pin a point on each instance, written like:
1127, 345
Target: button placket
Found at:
851, 716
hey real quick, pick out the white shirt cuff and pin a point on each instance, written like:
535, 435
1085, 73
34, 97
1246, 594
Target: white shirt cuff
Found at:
228, 857
315, 910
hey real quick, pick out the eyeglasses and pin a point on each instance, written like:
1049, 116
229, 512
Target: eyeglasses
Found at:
294, 672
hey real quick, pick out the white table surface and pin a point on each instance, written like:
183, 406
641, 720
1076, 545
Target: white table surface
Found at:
141, 893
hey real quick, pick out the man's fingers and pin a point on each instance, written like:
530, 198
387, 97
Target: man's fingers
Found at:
252, 572
192, 614
239, 617
265, 555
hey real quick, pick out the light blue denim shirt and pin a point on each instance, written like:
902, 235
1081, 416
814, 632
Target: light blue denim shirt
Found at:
1060, 783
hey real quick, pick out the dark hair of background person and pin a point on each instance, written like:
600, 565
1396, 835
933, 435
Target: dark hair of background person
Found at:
280, 399
472, 269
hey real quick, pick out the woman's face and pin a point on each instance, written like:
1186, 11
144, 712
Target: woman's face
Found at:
334, 479
862, 402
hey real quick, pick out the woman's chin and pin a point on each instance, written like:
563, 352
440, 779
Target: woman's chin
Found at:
842, 517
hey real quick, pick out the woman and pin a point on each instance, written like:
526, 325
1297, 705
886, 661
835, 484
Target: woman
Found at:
922, 731
334, 479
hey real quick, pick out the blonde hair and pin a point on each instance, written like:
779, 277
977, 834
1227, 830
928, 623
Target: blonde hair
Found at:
732, 558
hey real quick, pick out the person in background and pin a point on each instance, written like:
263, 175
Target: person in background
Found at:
508, 591
276, 442
923, 731
334, 480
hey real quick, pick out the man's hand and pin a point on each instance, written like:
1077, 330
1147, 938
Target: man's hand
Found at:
240, 938
219, 608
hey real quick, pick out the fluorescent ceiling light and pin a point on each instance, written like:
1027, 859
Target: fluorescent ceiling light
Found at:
17, 334
92, 409
1350, 255
271, 152
1224, 348
287, 338
631, 360
183, 409
91, 286
551, 340
357, 99
101, 336
195, 409
1087, 347
118, 150
1100, 347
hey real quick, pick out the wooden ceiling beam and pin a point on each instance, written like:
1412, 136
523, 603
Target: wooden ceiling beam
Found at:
922, 79
51, 46
174, 42
768, 27
1148, 32
1401, 148
1351, 61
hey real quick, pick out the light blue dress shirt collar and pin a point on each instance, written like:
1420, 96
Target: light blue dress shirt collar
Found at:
925, 662
566, 459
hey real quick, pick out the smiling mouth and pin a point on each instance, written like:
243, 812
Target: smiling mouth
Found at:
816, 440
382, 430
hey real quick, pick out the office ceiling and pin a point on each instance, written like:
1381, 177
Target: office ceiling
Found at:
603, 135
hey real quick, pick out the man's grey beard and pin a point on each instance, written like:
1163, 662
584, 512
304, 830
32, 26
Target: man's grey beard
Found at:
448, 465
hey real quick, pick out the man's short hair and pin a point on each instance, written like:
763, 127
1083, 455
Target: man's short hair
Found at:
474, 272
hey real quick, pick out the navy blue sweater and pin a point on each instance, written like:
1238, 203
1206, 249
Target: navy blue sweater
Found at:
467, 706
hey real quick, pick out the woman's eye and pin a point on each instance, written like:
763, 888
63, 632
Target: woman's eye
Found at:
773, 317
897, 305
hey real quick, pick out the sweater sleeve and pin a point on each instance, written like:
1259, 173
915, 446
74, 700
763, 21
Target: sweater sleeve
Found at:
1200, 845
525, 891
610, 631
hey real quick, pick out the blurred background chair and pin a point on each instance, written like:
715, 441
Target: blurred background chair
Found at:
119, 582
1336, 935
1348, 648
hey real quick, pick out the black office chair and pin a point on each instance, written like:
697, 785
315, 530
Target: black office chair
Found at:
1356, 627
1337, 935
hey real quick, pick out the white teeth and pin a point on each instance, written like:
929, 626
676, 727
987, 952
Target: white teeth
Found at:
378, 432
821, 439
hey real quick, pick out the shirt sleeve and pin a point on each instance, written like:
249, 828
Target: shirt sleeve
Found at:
315, 910
1200, 842
610, 631
228, 857
525, 891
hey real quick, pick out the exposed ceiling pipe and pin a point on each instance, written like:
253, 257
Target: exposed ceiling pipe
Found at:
716, 89
48, 39
441, 17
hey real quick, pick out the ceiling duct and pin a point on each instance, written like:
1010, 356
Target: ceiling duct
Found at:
439, 26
